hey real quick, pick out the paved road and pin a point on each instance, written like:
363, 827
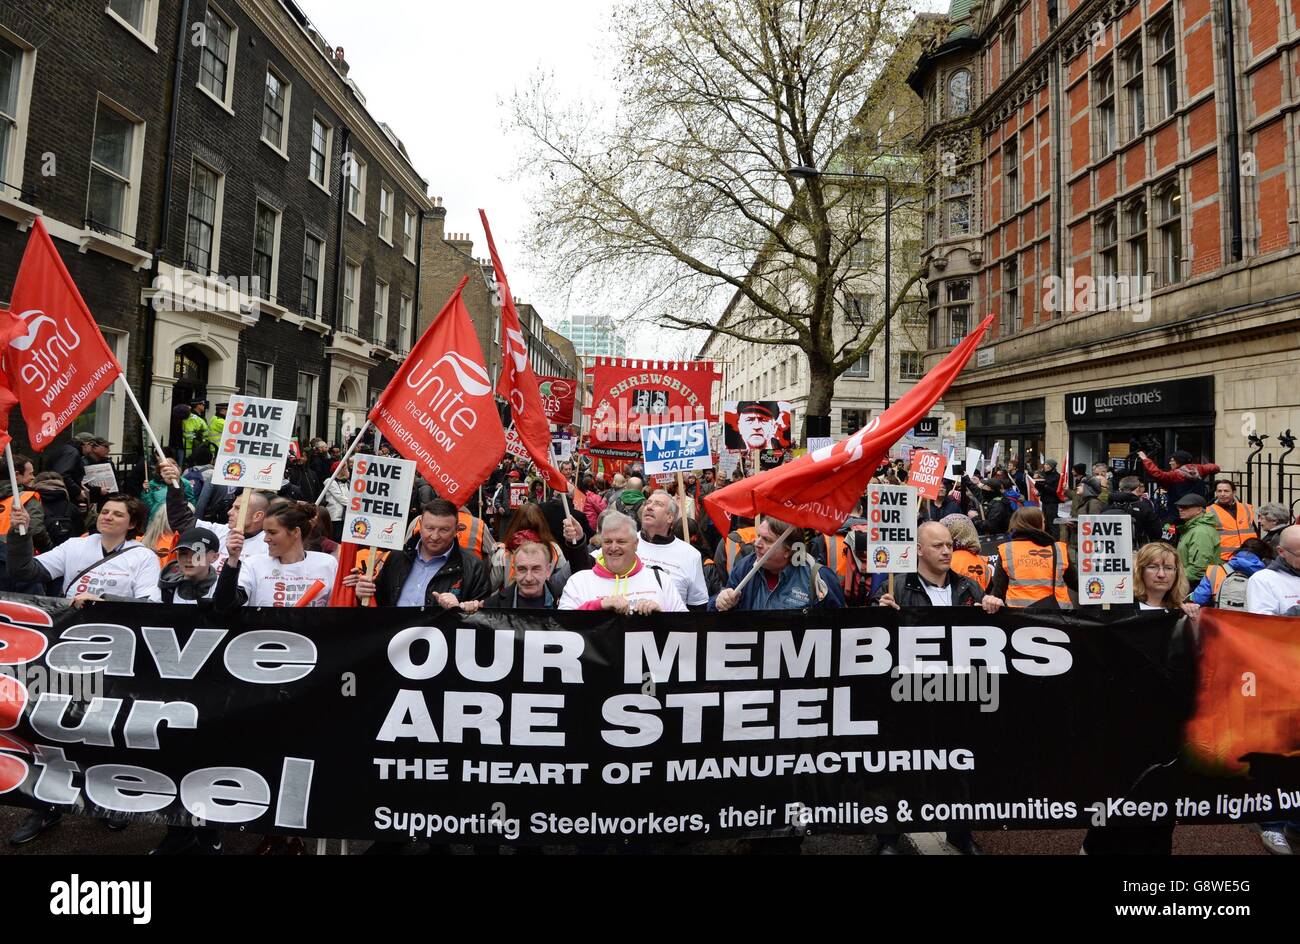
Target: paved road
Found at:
81, 835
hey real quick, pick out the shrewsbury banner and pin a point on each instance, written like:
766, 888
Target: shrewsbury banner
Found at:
564, 728
627, 394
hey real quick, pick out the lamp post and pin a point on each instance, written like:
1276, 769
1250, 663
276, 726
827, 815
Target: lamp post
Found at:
805, 172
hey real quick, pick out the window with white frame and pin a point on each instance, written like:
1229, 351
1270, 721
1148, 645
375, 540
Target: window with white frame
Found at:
1011, 295
1169, 204
958, 310
1107, 259
203, 219
381, 311
257, 379
275, 110
959, 216
114, 171
355, 170
1104, 87
404, 324
409, 222
15, 95
385, 214
1166, 63
103, 413
351, 285
318, 159
1135, 225
217, 60
861, 254
861, 367
304, 422
266, 251
1135, 98
1011, 175
141, 16
313, 261
911, 365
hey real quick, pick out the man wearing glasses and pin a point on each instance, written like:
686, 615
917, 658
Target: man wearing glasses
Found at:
1276, 589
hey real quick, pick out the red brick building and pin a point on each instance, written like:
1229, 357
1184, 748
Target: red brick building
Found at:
1116, 181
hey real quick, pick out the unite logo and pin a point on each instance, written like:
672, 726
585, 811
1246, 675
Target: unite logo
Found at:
448, 415
41, 360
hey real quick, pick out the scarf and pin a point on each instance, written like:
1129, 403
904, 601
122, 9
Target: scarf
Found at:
661, 539
600, 570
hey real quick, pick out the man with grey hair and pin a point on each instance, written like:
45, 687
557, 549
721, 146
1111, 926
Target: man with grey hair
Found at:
620, 581
1273, 519
660, 544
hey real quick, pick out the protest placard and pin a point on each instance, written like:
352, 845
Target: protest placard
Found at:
378, 498
676, 447
891, 529
1105, 559
518, 494
926, 473
255, 443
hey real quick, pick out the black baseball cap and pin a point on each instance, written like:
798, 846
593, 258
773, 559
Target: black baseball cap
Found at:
1191, 500
197, 540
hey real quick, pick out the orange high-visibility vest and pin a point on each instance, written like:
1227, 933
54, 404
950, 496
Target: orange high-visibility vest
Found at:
1234, 530
732, 548
1030, 573
363, 558
972, 565
7, 505
837, 556
469, 533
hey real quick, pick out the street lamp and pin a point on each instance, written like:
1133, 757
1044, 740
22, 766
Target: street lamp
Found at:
805, 172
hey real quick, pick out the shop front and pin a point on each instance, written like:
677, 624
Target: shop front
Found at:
1158, 418
1019, 425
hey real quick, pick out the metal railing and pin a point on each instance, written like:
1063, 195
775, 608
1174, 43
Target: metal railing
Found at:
1268, 476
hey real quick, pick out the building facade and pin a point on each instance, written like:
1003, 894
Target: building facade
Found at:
594, 335
236, 218
1117, 182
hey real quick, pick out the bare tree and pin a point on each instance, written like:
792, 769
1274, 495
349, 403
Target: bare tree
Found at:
678, 194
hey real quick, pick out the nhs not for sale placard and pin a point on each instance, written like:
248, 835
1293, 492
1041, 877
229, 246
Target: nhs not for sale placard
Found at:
378, 498
254, 446
676, 447
891, 529
1105, 559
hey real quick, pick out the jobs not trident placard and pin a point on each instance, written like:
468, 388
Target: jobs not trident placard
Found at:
1105, 559
378, 496
891, 529
255, 443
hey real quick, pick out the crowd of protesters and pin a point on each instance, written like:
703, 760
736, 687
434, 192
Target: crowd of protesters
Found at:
624, 543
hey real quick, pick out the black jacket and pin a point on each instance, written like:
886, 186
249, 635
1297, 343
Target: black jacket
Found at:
464, 575
997, 517
505, 599
1146, 520
965, 592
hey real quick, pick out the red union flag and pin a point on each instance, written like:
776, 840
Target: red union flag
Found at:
820, 489
438, 410
58, 360
518, 383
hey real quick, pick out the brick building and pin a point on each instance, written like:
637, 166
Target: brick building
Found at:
1116, 181
241, 223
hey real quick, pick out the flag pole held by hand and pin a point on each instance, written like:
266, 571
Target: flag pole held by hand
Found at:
243, 509
144, 421
13, 483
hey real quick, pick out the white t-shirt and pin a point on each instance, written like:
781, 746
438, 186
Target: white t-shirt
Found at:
589, 585
939, 596
682, 562
1272, 592
133, 573
254, 544
270, 583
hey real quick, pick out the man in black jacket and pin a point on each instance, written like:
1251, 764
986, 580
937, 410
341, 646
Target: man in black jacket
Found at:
432, 569
532, 589
934, 584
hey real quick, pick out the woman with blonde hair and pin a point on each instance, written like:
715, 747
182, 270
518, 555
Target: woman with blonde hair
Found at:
1159, 581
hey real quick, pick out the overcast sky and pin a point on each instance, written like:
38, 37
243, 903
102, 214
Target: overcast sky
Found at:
442, 74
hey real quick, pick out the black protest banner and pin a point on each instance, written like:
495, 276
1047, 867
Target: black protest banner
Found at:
586, 728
